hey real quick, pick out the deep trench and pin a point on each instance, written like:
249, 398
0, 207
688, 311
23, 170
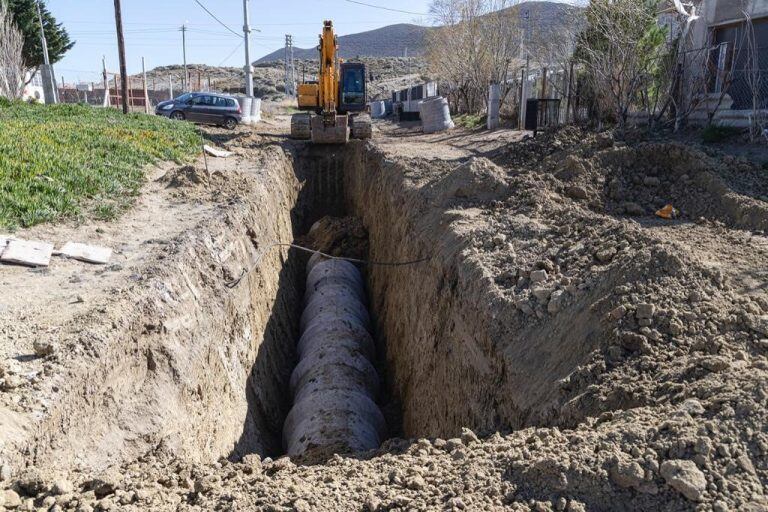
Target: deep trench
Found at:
449, 353
320, 171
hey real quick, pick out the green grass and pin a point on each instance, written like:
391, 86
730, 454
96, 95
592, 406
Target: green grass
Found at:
64, 161
470, 121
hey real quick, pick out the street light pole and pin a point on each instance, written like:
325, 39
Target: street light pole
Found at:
50, 88
247, 42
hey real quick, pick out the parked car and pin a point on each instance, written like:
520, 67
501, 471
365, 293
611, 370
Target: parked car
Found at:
202, 107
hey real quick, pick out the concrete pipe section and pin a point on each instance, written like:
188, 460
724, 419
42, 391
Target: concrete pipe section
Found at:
335, 384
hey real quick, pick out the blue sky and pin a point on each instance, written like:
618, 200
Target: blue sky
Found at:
152, 29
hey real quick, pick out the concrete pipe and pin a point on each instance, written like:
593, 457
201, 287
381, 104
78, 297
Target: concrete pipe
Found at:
336, 280
335, 383
320, 330
338, 377
355, 402
348, 365
435, 115
331, 305
345, 420
378, 109
255, 110
337, 430
246, 103
324, 267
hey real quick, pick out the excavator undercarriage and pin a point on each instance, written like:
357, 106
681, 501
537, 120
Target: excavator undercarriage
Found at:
336, 104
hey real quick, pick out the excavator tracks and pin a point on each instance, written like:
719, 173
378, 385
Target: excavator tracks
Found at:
300, 126
361, 127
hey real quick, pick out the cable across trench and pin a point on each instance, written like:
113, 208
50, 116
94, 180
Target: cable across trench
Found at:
335, 385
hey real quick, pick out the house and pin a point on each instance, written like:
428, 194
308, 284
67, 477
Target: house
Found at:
33, 91
726, 60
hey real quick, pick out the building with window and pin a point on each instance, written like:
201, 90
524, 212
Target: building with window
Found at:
726, 60
33, 91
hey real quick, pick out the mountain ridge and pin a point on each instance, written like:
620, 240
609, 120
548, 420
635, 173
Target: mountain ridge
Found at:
392, 40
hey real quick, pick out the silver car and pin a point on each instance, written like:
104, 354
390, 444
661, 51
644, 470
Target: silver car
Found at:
204, 108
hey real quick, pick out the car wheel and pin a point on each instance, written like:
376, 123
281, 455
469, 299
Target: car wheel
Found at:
230, 123
179, 116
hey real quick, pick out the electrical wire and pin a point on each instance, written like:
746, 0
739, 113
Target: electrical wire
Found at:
230, 55
257, 261
387, 8
198, 2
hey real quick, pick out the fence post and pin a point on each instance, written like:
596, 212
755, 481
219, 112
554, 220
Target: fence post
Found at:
105, 103
144, 84
494, 100
568, 98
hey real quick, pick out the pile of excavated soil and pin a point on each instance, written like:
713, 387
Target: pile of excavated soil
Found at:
338, 236
602, 358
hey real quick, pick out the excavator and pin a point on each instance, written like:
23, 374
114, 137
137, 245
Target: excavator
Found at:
334, 107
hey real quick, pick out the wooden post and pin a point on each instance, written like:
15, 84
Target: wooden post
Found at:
121, 53
543, 83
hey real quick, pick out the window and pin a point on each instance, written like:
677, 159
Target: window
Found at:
184, 98
739, 62
353, 86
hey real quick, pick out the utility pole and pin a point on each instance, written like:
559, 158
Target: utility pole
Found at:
121, 55
185, 78
247, 42
290, 73
50, 89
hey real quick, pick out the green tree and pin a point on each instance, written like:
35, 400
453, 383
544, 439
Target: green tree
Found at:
26, 19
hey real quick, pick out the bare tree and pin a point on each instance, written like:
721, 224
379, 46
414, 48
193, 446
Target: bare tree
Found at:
12, 69
475, 45
753, 75
619, 49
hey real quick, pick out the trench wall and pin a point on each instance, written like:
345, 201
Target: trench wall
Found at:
179, 360
458, 353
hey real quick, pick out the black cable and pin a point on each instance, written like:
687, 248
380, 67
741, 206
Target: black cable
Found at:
215, 18
387, 8
231, 54
234, 282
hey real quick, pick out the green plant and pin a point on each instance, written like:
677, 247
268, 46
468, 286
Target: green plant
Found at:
73, 160
470, 121
714, 133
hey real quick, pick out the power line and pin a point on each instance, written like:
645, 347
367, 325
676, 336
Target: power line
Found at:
215, 18
387, 8
230, 55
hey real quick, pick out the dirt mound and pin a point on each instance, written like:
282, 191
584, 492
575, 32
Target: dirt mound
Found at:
184, 177
338, 236
548, 349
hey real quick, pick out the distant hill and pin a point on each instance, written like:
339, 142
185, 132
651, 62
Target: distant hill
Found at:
389, 41
392, 40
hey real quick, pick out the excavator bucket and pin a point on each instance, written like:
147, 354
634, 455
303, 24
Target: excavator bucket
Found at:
324, 132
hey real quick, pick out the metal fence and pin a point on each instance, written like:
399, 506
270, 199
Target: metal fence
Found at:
736, 72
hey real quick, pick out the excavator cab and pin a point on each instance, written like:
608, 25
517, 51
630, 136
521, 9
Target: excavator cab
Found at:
352, 96
336, 104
